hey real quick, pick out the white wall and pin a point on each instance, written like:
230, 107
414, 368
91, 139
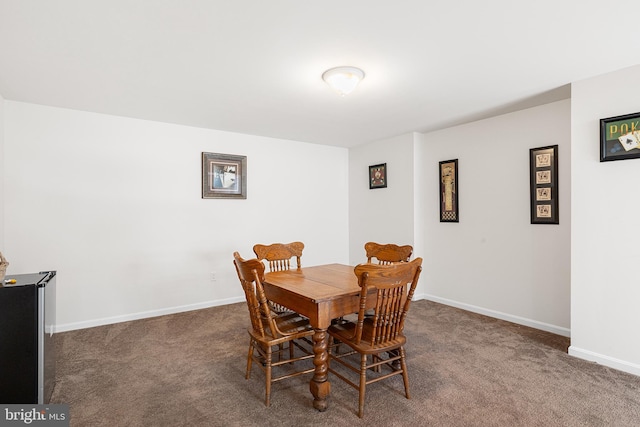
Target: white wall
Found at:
605, 287
383, 215
420, 205
494, 261
114, 205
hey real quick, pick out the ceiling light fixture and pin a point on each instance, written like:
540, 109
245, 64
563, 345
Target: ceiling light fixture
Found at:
343, 79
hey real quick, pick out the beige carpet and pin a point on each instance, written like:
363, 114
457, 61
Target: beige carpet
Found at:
464, 369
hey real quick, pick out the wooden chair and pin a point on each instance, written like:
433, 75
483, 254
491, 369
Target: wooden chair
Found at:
278, 257
379, 337
387, 254
269, 329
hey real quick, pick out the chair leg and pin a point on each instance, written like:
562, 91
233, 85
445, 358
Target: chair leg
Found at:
375, 359
363, 383
330, 351
334, 345
396, 363
249, 359
281, 349
405, 377
267, 372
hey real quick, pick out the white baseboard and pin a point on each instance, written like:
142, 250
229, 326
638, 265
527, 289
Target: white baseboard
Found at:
172, 310
558, 330
143, 315
601, 359
611, 362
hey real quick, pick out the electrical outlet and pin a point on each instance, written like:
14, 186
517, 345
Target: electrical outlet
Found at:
214, 276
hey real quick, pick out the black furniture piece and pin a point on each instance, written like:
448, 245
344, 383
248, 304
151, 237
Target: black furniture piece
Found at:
27, 317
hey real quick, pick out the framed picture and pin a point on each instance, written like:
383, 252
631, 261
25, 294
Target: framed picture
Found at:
620, 137
449, 191
224, 176
378, 176
543, 172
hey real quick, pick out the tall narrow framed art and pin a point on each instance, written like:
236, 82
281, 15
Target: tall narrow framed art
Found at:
449, 191
543, 176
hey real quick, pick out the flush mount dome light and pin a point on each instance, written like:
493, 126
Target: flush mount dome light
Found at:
343, 79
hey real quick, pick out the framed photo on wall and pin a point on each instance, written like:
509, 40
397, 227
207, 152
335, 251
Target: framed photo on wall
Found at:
620, 137
449, 191
224, 176
543, 177
378, 176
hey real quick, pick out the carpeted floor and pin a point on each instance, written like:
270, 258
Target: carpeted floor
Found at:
464, 369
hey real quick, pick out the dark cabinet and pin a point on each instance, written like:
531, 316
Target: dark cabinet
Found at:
27, 317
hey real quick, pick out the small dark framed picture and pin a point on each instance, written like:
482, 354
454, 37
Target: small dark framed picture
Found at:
543, 173
620, 137
224, 176
449, 191
378, 176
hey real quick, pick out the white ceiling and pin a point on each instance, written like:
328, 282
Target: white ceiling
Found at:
254, 66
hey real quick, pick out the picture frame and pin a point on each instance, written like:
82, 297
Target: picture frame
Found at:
620, 137
378, 176
543, 179
448, 179
224, 176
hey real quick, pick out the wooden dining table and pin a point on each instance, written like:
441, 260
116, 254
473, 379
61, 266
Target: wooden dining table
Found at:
321, 293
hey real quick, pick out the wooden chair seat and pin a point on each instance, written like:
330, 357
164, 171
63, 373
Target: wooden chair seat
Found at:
346, 331
287, 323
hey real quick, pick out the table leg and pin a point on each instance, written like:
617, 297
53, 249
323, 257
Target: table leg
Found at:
320, 386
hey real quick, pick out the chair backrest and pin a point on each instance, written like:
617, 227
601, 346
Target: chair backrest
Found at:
279, 255
251, 272
394, 287
389, 253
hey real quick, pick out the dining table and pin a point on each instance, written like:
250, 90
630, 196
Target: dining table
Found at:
321, 293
